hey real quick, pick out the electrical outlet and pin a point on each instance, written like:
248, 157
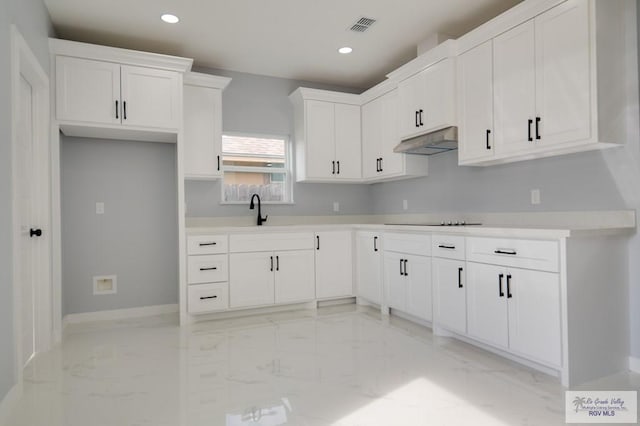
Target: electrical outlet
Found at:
405, 205
535, 196
100, 207
336, 206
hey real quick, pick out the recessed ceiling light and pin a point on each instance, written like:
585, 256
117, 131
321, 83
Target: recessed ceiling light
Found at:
345, 50
170, 19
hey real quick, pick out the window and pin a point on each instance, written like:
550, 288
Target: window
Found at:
256, 165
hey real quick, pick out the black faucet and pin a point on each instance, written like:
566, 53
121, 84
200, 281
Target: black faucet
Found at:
261, 219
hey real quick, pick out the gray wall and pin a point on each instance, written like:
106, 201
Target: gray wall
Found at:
136, 239
32, 19
260, 104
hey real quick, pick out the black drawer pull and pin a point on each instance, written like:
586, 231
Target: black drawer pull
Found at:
271, 269
333, 167
208, 297
375, 243
208, 269
509, 295
406, 274
207, 244
417, 124
401, 271
447, 247
317, 242
459, 277
117, 116
421, 112
488, 144
500, 292
277, 263
124, 110
218, 163
538, 128
529, 138
509, 252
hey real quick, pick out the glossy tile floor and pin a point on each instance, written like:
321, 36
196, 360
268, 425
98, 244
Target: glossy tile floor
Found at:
338, 366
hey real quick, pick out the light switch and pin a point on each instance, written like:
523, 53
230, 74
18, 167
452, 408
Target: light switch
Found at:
535, 196
99, 207
405, 205
336, 206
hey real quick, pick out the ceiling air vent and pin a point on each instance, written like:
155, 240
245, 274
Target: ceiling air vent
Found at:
362, 24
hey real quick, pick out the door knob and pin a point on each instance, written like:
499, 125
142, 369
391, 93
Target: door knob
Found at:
35, 232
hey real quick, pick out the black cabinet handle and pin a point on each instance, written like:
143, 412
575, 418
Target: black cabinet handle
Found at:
500, 292
447, 247
208, 297
34, 232
124, 110
406, 274
538, 119
509, 295
509, 252
529, 127
377, 164
117, 116
401, 271
271, 269
421, 123
459, 277
417, 124
207, 244
209, 269
338, 163
488, 144
218, 163
375, 243
317, 242
333, 167
277, 263
381, 160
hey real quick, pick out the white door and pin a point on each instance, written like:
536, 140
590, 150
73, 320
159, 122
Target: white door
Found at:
251, 280
438, 106
372, 116
417, 275
534, 315
487, 304
475, 79
334, 264
320, 143
411, 94
295, 281
202, 132
563, 80
449, 295
394, 283
151, 98
348, 141
368, 264
88, 91
392, 163
514, 85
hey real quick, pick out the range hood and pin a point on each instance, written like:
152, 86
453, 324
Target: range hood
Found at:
442, 140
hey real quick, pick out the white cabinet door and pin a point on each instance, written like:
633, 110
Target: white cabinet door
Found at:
449, 294
151, 97
487, 304
202, 132
534, 314
251, 279
514, 85
411, 93
417, 276
372, 118
475, 102
563, 80
320, 139
334, 264
87, 91
348, 142
394, 283
438, 105
369, 266
295, 281
392, 163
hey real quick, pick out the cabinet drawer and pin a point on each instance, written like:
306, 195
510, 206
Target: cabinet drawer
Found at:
246, 243
448, 246
207, 269
418, 244
528, 254
205, 298
207, 244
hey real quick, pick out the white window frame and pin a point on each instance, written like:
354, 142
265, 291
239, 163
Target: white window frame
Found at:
287, 170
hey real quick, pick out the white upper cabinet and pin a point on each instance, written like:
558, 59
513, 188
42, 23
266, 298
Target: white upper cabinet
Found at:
379, 136
203, 126
328, 136
559, 82
427, 100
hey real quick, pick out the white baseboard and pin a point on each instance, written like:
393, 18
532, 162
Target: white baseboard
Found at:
9, 402
116, 314
634, 364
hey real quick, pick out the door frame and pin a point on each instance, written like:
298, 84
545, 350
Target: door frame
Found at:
25, 64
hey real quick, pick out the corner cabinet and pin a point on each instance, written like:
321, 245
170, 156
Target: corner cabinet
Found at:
552, 85
327, 136
369, 266
203, 125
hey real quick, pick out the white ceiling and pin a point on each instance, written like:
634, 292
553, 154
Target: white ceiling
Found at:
284, 38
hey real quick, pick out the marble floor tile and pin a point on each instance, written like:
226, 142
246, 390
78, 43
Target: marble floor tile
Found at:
343, 366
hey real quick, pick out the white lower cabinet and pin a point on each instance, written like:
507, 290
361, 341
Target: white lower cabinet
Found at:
334, 264
204, 298
408, 284
449, 294
516, 309
369, 266
294, 280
